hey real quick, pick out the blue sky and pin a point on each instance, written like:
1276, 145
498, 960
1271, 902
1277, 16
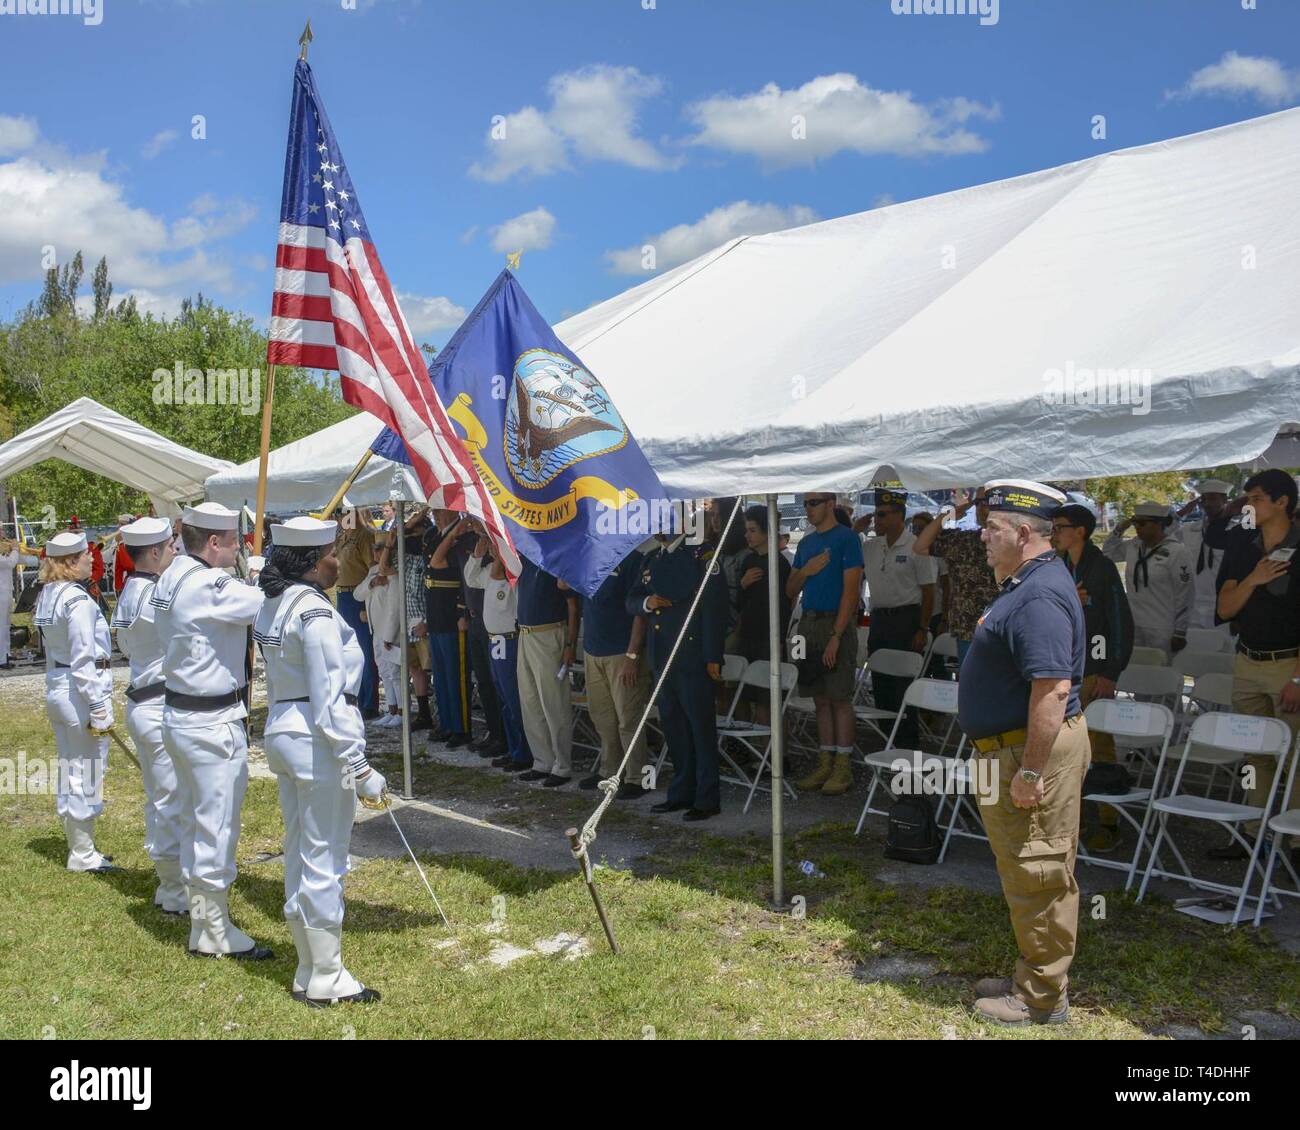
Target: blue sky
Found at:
623, 125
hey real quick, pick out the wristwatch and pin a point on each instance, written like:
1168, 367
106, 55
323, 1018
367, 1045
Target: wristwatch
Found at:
1030, 777
631, 655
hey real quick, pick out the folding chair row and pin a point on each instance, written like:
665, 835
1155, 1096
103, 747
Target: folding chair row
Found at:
1225, 735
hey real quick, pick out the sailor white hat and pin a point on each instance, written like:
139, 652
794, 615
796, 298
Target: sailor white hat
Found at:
1213, 486
211, 516
146, 531
1151, 510
304, 531
67, 544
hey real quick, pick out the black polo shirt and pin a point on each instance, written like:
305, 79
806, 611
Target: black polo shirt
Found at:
1270, 618
1033, 629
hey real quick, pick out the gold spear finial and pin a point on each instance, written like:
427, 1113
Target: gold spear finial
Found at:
305, 39
512, 259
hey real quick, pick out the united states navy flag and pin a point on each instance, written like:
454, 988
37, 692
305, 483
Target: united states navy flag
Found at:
561, 464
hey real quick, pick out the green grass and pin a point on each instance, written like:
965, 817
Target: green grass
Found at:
87, 956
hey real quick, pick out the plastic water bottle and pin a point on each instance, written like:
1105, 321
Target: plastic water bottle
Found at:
809, 868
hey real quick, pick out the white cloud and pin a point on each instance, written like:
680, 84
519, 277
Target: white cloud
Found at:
467, 236
1244, 76
158, 143
49, 197
684, 242
836, 113
530, 231
428, 315
211, 219
16, 134
593, 115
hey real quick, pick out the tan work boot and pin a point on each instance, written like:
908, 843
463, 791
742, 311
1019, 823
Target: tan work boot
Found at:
994, 987
1011, 1012
841, 778
820, 775
1104, 839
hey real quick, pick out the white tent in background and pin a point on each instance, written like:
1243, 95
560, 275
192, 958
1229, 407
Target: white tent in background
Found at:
304, 475
95, 438
950, 336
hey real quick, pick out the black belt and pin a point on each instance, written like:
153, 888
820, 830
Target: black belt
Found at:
101, 664
144, 694
203, 702
894, 608
350, 699
502, 635
1267, 656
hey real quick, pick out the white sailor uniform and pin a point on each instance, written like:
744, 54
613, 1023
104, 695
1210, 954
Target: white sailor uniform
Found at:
203, 615
1160, 590
1205, 561
315, 744
138, 640
78, 692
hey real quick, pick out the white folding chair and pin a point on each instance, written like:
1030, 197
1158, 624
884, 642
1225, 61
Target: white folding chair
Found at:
733, 671
1147, 721
1146, 683
1148, 657
1211, 694
887, 661
1285, 823
749, 734
1194, 664
938, 695
1208, 639
1241, 734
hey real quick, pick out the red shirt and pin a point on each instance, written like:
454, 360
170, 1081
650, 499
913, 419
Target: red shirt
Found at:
122, 565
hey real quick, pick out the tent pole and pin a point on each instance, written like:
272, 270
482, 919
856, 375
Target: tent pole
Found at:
261, 463
775, 629
399, 528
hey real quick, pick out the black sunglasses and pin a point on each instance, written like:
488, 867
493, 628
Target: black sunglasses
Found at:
814, 501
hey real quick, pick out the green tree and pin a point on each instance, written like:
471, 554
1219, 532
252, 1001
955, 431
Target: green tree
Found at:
103, 289
49, 357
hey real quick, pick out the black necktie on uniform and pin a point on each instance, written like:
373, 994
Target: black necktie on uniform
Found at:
1141, 573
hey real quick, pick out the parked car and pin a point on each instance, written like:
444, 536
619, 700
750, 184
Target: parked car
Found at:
917, 503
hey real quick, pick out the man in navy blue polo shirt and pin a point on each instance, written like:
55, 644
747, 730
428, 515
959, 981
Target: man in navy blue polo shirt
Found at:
617, 678
548, 640
1018, 701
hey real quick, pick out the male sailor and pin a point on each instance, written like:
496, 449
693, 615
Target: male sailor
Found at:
203, 615
149, 543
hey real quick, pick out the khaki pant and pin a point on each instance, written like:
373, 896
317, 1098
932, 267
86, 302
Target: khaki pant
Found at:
1256, 689
544, 700
615, 710
1103, 745
1035, 850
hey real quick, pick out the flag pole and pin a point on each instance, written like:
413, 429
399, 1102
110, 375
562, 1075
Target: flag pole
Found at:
337, 500
264, 455
269, 401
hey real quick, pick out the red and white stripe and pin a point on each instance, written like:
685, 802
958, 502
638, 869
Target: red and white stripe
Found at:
334, 308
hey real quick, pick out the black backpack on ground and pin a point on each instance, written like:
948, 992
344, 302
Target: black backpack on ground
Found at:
913, 835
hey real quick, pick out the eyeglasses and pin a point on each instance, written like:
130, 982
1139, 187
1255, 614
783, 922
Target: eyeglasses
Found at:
814, 501
1064, 526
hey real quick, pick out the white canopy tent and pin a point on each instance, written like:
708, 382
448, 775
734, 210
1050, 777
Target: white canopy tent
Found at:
95, 438
304, 475
938, 335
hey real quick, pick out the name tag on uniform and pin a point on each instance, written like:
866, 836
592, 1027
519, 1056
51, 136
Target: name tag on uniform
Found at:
900, 558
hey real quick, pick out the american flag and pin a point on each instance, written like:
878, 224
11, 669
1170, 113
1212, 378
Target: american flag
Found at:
334, 308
